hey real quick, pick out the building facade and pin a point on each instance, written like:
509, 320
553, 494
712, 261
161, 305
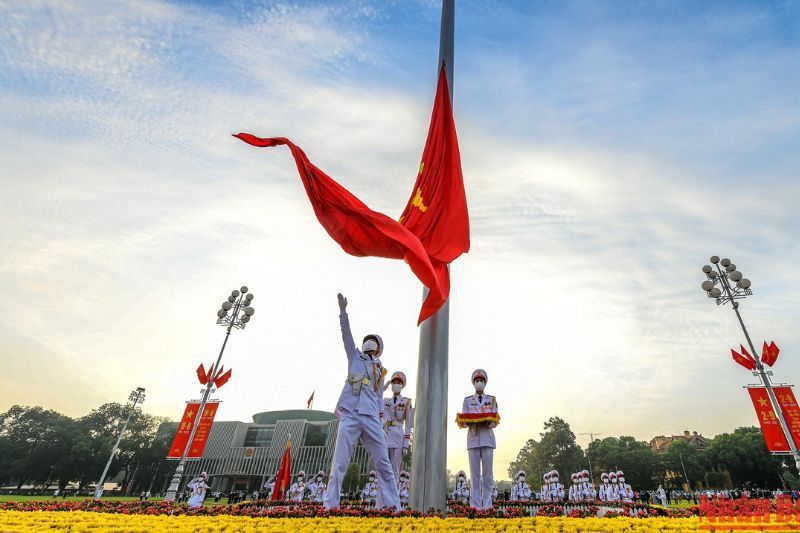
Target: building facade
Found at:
243, 456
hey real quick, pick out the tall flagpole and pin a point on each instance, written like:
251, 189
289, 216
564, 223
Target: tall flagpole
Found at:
429, 460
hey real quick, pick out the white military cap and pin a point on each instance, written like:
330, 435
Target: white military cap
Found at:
399, 375
480, 372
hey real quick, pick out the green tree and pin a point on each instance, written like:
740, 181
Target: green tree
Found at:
643, 468
744, 455
686, 460
555, 450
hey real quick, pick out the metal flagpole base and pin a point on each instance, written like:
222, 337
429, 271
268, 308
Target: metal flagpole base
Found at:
172, 491
429, 459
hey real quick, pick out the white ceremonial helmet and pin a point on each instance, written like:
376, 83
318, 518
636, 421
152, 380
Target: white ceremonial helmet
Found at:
574, 477
301, 474
203, 475
321, 473
462, 473
555, 475
604, 476
546, 476
480, 372
372, 473
521, 473
620, 473
398, 375
372, 342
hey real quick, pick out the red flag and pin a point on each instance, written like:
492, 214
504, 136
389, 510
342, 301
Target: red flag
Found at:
359, 230
437, 209
219, 381
284, 477
769, 354
746, 362
310, 400
791, 411
201, 374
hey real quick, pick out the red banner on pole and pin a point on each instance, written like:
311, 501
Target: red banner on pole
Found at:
185, 429
770, 427
791, 411
203, 429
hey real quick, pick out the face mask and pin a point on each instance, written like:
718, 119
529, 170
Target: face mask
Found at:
396, 388
622, 479
319, 478
372, 478
480, 385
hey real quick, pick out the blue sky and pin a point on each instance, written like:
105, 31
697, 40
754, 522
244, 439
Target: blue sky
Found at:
608, 148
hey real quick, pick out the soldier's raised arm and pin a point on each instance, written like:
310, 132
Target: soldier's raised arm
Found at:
344, 322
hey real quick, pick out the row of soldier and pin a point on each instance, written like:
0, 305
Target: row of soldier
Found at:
611, 489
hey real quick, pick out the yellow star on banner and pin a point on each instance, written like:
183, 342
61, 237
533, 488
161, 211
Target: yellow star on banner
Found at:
189, 414
417, 201
762, 402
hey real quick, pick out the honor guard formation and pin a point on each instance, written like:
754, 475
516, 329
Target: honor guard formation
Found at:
384, 426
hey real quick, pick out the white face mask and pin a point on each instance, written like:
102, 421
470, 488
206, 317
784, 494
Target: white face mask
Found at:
522, 479
396, 388
480, 385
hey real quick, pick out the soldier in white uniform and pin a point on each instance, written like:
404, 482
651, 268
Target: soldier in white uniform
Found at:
544, 494
316, 487
625, 490
480, 443
461, 490
521, 491
298, 488
405, 488
198, 486
605, 488
557, 491
360, 412
574, 493
614, 492
495, 494
370, 491
269, 486
397, 421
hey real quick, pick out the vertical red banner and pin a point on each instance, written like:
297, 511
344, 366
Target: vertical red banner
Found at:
791, 411
184, 430
203, 429
770, 427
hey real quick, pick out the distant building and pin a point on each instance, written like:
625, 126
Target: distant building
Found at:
243, 456
660, 443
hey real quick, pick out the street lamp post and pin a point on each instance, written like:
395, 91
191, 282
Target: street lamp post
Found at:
136, 396
240, 300
728, 285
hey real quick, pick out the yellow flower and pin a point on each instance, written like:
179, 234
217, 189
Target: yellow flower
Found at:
79, 521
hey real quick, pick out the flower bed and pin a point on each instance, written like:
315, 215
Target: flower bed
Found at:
287, 509
29, 522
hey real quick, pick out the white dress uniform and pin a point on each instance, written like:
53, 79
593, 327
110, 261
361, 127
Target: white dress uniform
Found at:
461, 490
397, 414
370, 491
625, 491
269, 486
574, 493
613, 493
480, 446
298, 488
520, 491
544, 494
198, 487
405, 488
605, 488
360, 411
316, 487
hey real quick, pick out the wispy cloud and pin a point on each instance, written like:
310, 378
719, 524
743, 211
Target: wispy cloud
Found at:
607, 154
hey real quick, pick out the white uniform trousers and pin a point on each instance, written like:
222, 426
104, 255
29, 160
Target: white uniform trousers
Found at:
481, 473
396, 457
369, 429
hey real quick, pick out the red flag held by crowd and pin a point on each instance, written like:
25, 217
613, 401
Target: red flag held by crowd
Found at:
745, 361
284, 477
359, 230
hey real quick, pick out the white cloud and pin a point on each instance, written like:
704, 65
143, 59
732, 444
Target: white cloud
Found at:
129, 212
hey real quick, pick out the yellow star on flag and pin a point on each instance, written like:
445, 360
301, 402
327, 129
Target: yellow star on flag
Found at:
417, 201
762, 402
